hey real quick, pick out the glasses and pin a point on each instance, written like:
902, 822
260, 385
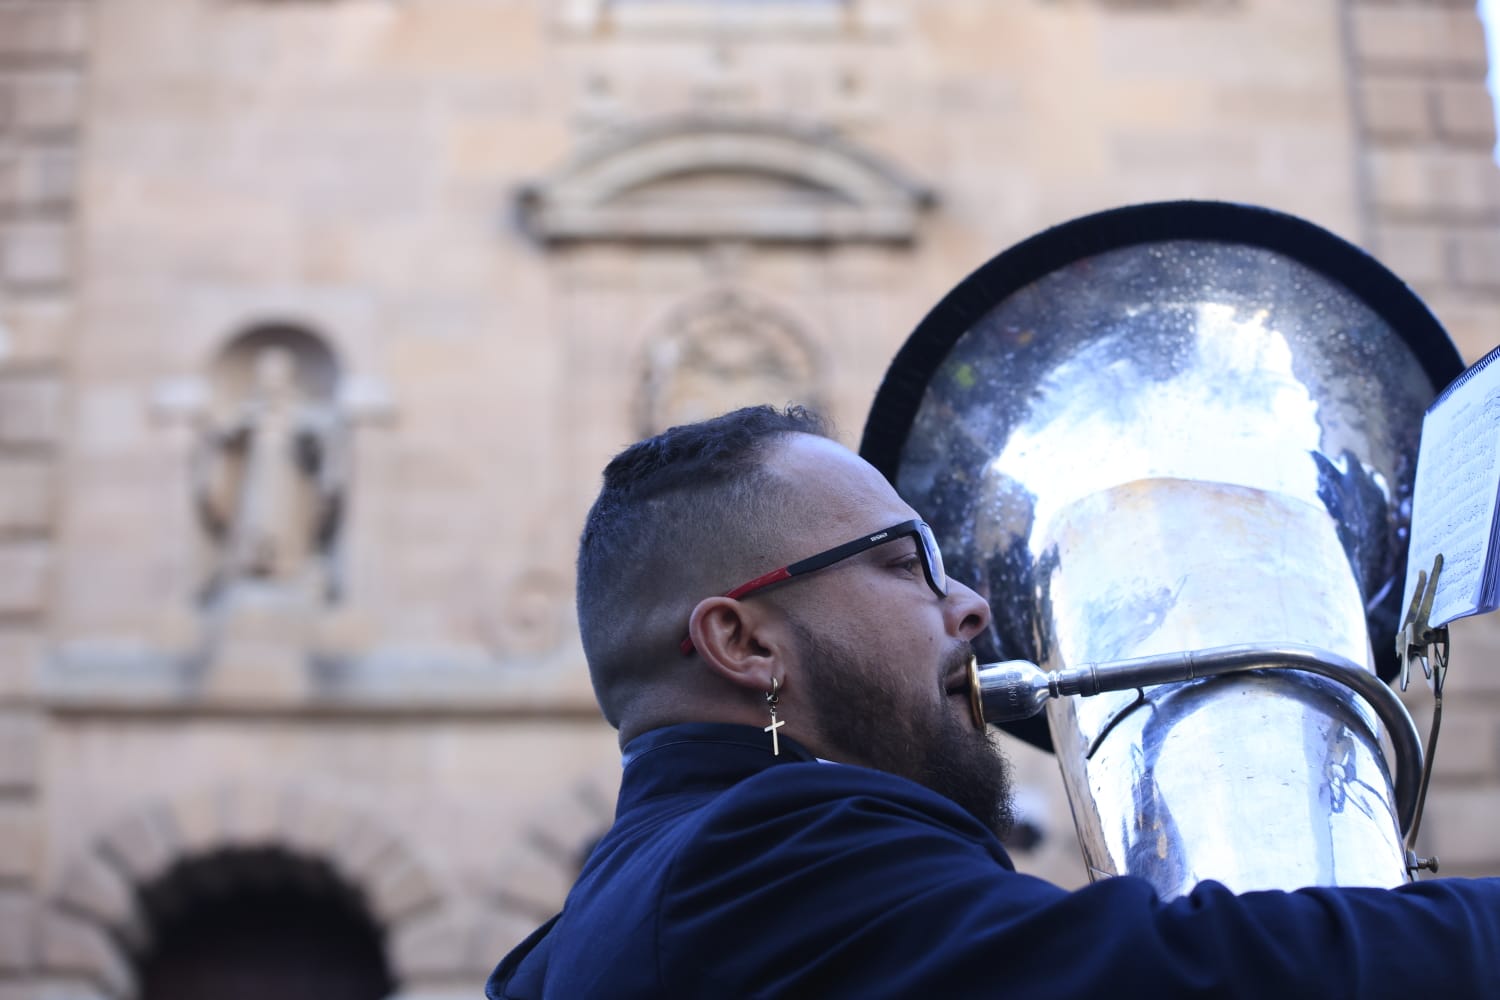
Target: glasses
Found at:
927, 550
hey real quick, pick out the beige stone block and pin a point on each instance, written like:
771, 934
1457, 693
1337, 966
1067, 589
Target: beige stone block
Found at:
316, 825
1472, 320
70, 944
1398, 178
345, 631
1390, 35
401, 887
1465, 183
25, 576
21, 652
252, 816
145, 844
1462, 41
20, 842
466, 40
32, 330
578, 819
43, 30
1477, 259
1465, 112
1419, 37
18, 931
47, 101
10, 175
1447, 183
261, 651
1475, 668
535, 883
35, 254
36, 179
1468, 743
1460, 823
434, 946
1397, 107
20, 750
1418, 254
360, 856
258, 673
113, 422
30, 408
199, 820
27, 495
94, 888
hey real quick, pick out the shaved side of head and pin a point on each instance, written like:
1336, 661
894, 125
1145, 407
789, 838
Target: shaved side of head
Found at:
681, 516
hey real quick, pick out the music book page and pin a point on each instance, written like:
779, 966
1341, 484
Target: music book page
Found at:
1454, 501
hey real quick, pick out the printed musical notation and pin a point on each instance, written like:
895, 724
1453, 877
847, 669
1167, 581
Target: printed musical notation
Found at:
1456, 497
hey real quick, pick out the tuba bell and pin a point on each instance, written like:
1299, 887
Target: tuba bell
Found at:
1167, 438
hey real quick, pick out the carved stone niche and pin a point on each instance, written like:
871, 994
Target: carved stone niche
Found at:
722, 351
706, 178
269, 465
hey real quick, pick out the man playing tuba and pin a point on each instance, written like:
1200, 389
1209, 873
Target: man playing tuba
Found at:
808, 808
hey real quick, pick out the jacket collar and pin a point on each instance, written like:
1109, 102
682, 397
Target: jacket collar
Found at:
698, 756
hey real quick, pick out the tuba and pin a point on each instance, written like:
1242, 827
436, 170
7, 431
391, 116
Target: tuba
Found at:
1173, 445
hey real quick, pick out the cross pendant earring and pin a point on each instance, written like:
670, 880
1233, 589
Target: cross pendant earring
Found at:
775, 723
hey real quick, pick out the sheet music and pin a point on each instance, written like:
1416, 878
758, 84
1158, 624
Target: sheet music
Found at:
1454, 498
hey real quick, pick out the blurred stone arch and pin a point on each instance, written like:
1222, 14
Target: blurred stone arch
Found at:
144, 877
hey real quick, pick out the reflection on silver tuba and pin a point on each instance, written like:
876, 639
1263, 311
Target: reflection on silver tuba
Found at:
1170, 433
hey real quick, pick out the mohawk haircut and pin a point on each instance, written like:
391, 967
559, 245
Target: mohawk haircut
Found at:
679, 514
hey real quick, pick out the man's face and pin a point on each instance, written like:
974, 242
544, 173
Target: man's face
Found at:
878, 651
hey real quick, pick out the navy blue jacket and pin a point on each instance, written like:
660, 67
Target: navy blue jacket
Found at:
733, 873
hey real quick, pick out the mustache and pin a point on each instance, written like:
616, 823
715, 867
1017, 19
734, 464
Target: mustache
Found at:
955, 672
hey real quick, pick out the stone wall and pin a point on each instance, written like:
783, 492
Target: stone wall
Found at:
43, 82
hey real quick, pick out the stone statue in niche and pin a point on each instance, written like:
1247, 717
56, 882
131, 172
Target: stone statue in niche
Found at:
269, 484
721, 353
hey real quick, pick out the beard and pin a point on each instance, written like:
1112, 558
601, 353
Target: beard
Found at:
863, 716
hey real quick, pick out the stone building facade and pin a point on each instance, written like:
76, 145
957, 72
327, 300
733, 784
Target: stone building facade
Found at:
318, 319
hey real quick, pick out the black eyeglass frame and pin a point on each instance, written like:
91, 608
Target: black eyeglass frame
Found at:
928, 553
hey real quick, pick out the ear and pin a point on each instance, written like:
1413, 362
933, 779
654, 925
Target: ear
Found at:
744, 644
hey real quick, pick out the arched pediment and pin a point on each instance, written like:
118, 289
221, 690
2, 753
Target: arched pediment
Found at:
696, 179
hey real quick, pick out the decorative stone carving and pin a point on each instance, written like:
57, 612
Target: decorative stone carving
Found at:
722, 352
799, 19
269, 484
532, 615
700, 178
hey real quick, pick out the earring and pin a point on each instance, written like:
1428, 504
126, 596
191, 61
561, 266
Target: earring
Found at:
775, 723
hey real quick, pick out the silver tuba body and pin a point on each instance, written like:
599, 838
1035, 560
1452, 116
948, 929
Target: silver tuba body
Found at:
1174, 428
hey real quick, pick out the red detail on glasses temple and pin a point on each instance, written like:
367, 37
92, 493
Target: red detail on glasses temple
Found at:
775, 576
